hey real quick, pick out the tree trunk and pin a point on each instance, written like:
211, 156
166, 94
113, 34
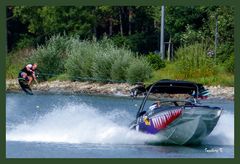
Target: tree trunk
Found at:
110, 26
94, 36
129, 20
155, 24
94, 33
120, 21
169, 49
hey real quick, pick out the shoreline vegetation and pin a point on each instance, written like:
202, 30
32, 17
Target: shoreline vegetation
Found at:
111, 89
121, 49
68, 58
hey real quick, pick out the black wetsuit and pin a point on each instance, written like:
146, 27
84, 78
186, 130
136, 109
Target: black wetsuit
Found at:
29, 73
23, 82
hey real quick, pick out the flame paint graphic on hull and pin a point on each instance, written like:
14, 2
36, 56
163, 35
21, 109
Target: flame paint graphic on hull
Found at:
161, 122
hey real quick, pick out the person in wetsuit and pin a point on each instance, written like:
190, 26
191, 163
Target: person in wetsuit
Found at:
155, 105
25, 77
30, 71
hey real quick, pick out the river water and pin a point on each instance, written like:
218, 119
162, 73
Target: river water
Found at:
87, 126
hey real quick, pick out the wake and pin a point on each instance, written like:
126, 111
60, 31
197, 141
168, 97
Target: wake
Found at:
73, 123
223, 133
81, 123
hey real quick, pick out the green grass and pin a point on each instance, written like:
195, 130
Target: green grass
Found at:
193, 61
192, 64
15, 61
222, 77
168, 72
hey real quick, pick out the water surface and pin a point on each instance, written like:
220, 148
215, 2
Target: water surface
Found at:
87, 126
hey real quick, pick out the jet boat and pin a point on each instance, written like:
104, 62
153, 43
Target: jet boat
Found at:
180, 119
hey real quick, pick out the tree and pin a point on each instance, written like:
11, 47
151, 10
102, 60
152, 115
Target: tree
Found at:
137, 27
49, 20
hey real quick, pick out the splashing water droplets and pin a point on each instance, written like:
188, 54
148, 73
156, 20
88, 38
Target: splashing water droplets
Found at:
74, 123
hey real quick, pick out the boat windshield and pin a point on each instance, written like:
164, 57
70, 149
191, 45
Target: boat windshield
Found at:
159, 100
184, 91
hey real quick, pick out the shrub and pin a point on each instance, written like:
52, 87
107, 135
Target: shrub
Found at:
102, 64
106, 54
88, 60
121, 41
224, 52
25, 41
138, 71
101, 61
52, 56
155, 61
80, 59
229, 64
120, 65
192, 61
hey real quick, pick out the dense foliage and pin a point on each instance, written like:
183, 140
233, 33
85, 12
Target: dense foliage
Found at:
136, 26
155, 61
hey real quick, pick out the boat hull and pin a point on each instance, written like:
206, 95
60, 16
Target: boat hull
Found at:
180, 125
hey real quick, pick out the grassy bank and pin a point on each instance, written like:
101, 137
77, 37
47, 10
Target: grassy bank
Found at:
171, 71
194, 64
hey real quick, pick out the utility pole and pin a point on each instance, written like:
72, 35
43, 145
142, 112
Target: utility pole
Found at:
162, 46
216, 38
